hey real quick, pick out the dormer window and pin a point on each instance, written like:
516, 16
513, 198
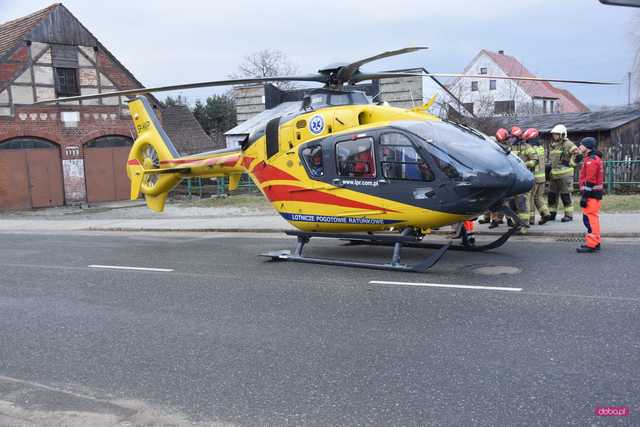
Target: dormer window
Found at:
483, 70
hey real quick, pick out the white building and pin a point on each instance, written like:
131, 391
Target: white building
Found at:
486, 97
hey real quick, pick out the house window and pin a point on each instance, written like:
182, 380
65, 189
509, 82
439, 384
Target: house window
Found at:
355, 158
492, 85
468, 106
504, 107
483, 70
110, 141
23, 143
67, 82
474, 86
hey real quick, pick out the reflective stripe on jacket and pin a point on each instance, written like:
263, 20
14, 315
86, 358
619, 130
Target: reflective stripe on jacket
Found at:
538, 173
562, 152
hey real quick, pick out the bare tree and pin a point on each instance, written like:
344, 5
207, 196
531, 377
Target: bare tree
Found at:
268, 63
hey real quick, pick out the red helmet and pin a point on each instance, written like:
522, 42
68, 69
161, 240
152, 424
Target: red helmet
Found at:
530, 134
516, 131
502, 134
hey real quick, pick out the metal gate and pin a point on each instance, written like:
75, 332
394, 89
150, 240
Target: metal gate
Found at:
30, 174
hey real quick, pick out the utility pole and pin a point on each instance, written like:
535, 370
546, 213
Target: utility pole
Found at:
629, 88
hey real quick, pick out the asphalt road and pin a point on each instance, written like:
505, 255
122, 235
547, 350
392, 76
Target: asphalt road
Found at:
230, 338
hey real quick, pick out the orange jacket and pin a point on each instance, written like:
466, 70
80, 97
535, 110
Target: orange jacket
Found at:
592, 176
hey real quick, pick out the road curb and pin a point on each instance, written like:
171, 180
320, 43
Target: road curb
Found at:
553, 234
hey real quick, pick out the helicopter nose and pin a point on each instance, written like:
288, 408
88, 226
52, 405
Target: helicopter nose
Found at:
505, 177
522, 179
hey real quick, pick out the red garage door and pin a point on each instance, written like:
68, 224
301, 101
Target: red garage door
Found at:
30, 174
105, 162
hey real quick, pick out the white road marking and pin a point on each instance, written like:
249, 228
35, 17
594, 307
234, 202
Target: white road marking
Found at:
438, 285
122, 267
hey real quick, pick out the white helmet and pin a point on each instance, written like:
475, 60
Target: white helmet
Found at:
560, 130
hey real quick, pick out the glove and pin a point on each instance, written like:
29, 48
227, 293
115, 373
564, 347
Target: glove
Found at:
565, 163
583, 201
579, 158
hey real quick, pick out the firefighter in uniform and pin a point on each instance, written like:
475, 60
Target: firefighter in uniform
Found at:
591, 187
563, 160
534, 160
502, 136
523, 150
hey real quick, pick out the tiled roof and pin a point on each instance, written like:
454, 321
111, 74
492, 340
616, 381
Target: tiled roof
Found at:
514, 68
12, 32
185, 131
577, 122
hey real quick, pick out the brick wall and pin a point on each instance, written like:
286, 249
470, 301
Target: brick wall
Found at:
115, 73
15, 62
46, 122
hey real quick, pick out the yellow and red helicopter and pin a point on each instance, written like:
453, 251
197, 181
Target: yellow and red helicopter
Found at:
343, 167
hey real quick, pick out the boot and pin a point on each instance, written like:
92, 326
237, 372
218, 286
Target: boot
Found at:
566, 218
597, 248
532, 221
552, 216
545, 219
510, 222
493, 224
586, 250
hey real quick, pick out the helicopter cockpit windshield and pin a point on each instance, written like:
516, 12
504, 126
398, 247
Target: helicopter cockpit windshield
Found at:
457, 150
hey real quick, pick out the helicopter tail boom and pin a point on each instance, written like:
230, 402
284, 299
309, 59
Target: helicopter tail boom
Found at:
155, 167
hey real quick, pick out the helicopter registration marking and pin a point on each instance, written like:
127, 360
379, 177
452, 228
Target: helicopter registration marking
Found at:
316, 124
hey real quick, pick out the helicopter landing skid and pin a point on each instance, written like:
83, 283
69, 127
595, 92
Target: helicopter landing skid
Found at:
396, 241
465, 246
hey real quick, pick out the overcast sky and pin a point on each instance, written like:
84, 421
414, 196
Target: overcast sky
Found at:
176, 41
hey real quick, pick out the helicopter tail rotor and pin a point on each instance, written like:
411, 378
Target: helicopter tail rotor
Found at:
151, 151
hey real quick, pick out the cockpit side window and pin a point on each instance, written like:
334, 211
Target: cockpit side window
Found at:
312, 156
340, 99
318, 99
355, 158
401, 161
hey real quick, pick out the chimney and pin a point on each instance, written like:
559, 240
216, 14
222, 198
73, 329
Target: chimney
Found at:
501, 52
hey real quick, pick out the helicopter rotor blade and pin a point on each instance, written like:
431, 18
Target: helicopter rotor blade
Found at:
369, 76
319, 78
345, 73
359, 77
522, 78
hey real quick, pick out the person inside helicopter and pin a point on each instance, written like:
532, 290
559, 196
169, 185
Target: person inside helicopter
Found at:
362, 162
313, 158
355, 158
